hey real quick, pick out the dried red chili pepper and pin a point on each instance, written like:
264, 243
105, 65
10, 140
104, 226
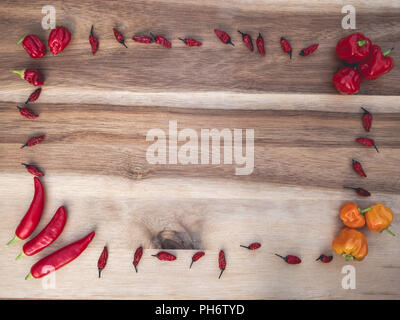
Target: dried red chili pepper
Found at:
33, 170
247, 40
221, 262
347, 81
307, 51
34, 95
368, 142
358, 168
102, 262
119, 37
33, 76
161, 41
286, 47
367, 119
223, 36
47, 236
252, 246
59, 38
94, 42
353, 48
33, 46
60, 258
33, 141
142, 39
196, 257
290, 259
260, 44
324, 259
32, 216
191, 42
165, 256
360, 191
377, 64
27, 113
137, 257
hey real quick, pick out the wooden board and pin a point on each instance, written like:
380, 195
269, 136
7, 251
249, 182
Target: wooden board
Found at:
96, 113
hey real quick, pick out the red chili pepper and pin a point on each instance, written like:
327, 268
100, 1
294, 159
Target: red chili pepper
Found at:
33, 141
59, 38
119, 37
252, 246
161, 41
353, 48
165, 256
221, 262
325, 259
142, 39
260, 44
34, 95
286, 47
47, 236
33, 76
377, 64
94, 42
196, 257
347, 81
367, 119
360, 191
60, 258
102, 262
358, 168
307, 51
290, 259
27, 113
32, 216
137, 257
247, 40
223, 36
33, 170
367, 142
191, 42
33, 46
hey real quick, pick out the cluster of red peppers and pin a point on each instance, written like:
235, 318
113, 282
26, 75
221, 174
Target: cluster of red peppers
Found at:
363, 60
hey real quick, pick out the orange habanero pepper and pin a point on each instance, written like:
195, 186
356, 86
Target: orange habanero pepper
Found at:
351, 244
379, 218
352, 215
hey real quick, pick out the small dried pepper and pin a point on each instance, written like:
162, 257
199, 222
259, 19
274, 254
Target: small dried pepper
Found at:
247, 40
358, 168
367, 119
290, 259
223, 36
142, 39
196, 257
379, 218
352, 216
324, 258
347, 81
377, 64
360, 191
162, 41
33, 76
353, 48
368, 142
137, 257
33, 170
119, 37
34, 95
307, 51
33, 46
33, 141
221, 262
94, 42
164, 256
191, 42
351, 244
27, 113
286, 47
102, 262
252, 246
59, 38
260, 44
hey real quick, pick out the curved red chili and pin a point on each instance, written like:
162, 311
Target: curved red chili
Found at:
260, 44
102, 262
367, 119
290, 259
286, 47
119, 37
162, 41
360, 191
324, 259
252, 246
33, 170
33, 76
94, 42
307, 51
221, 262
246, 38
59, 38
33, 141
165, 256
224, 37
137, 257
33, 46
191, 42
27, 113
368, 142
34, 95
32, 216
142, 39
60, 258
47, 236
358, 168
196, 257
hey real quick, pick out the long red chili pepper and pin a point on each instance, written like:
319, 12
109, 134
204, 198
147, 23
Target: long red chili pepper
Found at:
142, 39
325, 259
33, 76
137, 257
33, 141
59, 38
191, 42
358, 168
247, 40
94, 42
32, 216
47, 236
360, 191
33, 46
102, 262
252, 246
33, 170
27, 113
165, 256
196, 257
60, 258
290, 259
367, 119
221, 262
307, 51
162, 41
34, 95
260, 44
368, 142
223, 36
119, 37
286, 47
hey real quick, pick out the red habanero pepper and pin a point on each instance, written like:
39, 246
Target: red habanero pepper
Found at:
358, 168
32, 216
377, 64
47, 236
290, 259
353, 48
60, 258
119, 37
94, 42
223, 36
191, 42
324, 259
161, 41
27, 113
102, 262
252, 246
33, 76
33, 170
247, 40
33, 46
307, 51
286, 47
137, 257
164, 256
347, 81
360, 191
221, 262
59, 38
34, 95
33, 141
196, 257
367, 119
142, 39
260, 44
368, 142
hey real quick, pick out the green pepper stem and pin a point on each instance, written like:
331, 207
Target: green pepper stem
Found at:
387, 52
13, 240
22, 254
20, 72
361, 43
365, 210
348, 257
20, 40
28, 276
390, 232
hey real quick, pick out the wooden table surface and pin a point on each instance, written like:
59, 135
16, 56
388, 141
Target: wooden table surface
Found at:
97, 110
